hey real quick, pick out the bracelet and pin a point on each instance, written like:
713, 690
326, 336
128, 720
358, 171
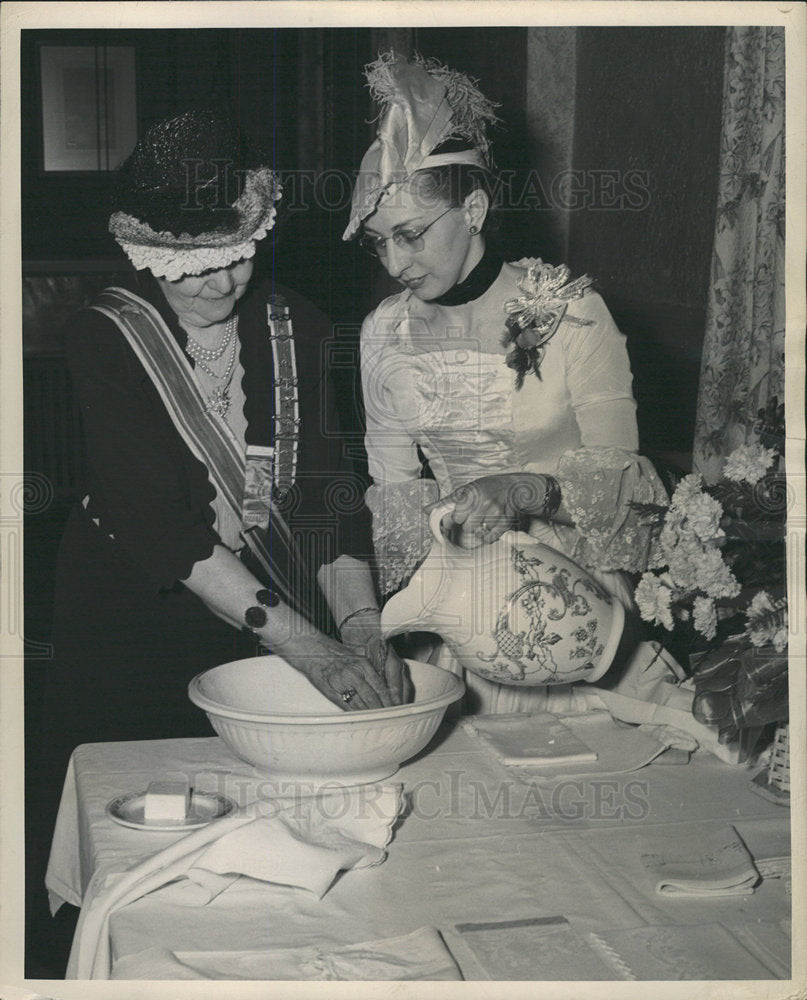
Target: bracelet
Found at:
256, 617
353, 614
552, 498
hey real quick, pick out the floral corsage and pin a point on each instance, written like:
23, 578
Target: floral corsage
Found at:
533, 317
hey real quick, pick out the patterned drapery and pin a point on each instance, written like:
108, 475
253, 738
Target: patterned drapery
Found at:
742, 366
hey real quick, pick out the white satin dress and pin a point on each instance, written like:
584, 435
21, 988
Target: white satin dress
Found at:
435, 392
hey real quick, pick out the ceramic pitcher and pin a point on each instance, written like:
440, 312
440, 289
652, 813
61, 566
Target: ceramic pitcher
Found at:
515, 611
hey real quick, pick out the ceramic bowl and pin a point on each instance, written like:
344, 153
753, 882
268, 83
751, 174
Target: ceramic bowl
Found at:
271, 716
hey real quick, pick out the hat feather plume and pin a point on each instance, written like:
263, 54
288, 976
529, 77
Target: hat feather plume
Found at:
471, 111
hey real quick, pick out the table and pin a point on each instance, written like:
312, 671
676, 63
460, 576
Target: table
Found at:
477, 845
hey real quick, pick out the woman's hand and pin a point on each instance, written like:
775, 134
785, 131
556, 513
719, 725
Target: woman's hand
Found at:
362, 633
346, 677
342, 673
487, 507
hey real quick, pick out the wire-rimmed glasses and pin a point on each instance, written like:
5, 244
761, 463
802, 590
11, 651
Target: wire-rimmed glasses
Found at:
405, 239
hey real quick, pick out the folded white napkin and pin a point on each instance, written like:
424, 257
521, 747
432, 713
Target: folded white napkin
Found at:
718, 865
304, 842
421, 955
615, 748
537, 738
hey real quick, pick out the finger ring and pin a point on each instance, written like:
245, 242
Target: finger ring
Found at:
348, 695
485, 527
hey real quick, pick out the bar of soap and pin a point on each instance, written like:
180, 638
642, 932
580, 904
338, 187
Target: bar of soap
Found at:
167, 801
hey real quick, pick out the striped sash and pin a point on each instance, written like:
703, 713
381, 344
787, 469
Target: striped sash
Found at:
273, 552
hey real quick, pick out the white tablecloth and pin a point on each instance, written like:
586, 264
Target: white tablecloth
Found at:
476, 845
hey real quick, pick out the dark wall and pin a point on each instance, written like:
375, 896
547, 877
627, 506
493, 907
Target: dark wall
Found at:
295, 92
649, 101
646, 100
64, 216
497, 57
301, 97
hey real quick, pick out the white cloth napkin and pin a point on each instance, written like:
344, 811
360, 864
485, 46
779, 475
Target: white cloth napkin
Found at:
421, 955
538, 738
304, 842
617, 749
718, 865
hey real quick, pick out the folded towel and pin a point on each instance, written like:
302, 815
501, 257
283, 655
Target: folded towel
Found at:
537, 738
718, 865
595, 744
421, 955
306, 843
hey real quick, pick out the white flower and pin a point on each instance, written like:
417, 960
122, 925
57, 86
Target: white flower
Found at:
673, 534
767, 621
703, 515
761, 603
703, 569
687, 552
774, 633
653, 600
690, 486
748, 463
705, 616
715, 577
684, 561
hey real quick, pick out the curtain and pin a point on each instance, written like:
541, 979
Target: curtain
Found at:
742, 365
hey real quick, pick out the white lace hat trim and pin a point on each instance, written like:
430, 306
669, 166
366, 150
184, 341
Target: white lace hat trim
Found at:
169, 256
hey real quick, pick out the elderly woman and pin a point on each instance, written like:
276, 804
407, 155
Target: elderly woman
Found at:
213, 494
509, 377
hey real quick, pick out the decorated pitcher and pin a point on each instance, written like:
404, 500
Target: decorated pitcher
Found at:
515, 611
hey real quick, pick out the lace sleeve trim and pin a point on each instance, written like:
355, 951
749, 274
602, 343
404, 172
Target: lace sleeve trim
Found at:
401, 535
598, 486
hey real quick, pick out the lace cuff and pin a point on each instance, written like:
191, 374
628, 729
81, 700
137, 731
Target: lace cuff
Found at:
401, 535
598, 486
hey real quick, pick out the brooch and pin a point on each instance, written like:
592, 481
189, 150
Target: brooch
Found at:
534, 317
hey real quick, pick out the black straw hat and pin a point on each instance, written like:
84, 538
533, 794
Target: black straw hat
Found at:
190, 197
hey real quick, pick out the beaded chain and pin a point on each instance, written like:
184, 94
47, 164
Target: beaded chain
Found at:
199, 353
219, 398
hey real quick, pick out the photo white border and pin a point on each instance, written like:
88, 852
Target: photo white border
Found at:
345, 13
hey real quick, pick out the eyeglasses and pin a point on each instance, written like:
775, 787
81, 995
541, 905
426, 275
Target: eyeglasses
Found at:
404, 239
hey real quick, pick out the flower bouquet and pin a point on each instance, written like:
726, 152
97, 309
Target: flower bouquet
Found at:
713, 546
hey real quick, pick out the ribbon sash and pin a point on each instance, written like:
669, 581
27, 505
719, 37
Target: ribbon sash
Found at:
208, 437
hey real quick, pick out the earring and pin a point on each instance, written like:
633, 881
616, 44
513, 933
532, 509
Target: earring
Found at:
473, 230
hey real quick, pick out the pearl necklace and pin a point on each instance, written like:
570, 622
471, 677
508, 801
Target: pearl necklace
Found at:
219, 399
199, 353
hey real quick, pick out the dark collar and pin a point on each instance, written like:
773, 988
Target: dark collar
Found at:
475, 284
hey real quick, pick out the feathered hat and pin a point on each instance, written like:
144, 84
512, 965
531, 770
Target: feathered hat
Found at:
423, 104
188, 198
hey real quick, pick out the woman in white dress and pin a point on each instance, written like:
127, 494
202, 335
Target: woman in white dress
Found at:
510, 379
